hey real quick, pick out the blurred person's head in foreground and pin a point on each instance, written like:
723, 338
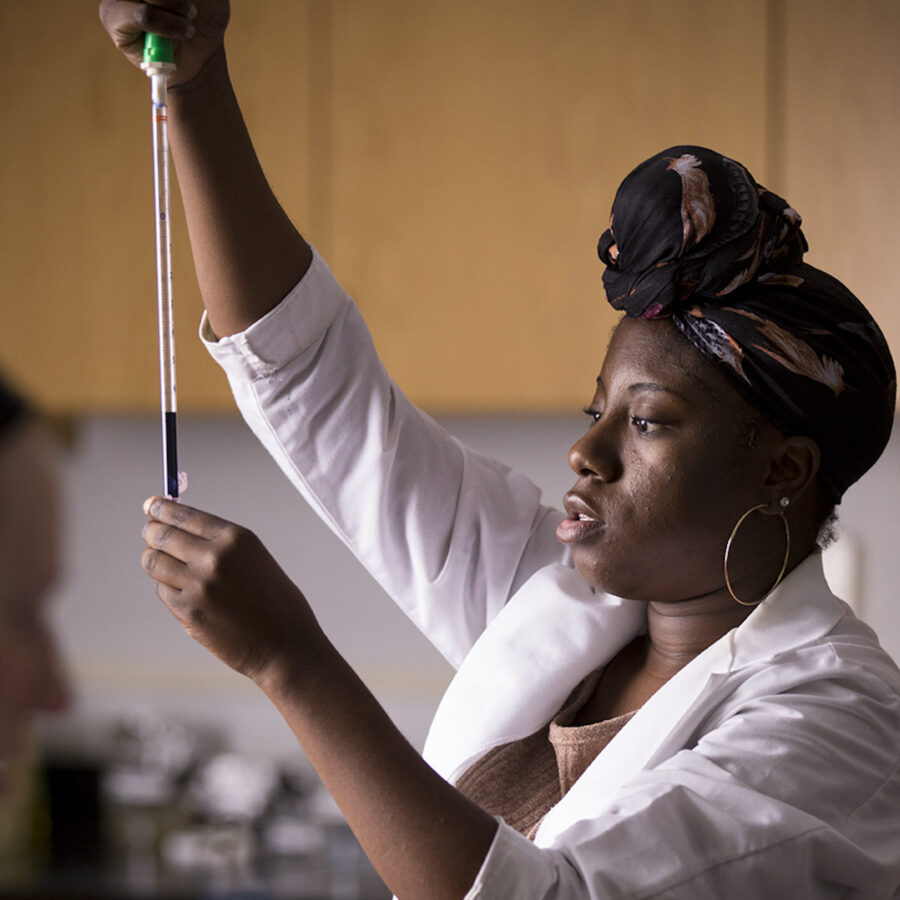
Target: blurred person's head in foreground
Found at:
31, 676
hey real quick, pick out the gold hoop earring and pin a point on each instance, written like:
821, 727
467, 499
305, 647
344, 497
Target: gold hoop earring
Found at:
787, 552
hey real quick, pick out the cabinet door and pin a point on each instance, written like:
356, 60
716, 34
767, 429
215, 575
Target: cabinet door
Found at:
476, 150
836, 137
455, 161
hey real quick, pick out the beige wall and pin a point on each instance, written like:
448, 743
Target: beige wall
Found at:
455, 161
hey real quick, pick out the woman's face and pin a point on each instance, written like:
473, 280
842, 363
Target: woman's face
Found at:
30, 675
664, 471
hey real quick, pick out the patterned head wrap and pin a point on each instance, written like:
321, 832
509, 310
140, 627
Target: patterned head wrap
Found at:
693, 237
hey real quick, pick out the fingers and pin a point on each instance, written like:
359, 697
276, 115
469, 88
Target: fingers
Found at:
174, 586
126, 19
185, 518
186, 545
181, 542
196, 29
164, 568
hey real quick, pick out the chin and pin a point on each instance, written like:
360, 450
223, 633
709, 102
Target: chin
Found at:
618, 584
598, 580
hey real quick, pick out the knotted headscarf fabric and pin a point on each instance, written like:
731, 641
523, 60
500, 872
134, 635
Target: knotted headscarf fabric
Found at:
693, 237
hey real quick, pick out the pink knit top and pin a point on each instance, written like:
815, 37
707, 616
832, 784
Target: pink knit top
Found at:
520, 781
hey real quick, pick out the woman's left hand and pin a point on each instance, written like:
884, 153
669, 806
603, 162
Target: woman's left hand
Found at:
228, 592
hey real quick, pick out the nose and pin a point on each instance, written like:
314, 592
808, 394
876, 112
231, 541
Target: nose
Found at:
595, 454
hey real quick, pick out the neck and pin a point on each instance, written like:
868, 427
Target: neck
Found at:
678, 632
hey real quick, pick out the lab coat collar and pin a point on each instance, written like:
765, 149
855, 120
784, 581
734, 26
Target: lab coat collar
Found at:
556, 630
802, 607
550, 635
801, 610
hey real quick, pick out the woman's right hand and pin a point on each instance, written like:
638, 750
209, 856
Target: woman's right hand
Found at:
197, 28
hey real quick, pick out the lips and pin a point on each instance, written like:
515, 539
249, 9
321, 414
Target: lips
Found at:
582, 522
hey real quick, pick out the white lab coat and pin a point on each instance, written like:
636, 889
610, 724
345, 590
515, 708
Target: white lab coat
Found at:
768, 767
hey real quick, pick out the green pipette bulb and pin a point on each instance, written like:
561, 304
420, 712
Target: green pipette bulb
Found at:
159, 58
157, 50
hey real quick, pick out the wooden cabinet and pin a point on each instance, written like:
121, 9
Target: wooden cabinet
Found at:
836, 140
455, 162
476, 151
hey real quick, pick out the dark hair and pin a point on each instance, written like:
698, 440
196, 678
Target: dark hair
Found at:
14, 410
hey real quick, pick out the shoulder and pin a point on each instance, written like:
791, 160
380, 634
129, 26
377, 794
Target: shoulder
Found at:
818, 726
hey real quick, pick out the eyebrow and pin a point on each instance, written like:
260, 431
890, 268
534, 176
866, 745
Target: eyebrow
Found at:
647, 386
656, 388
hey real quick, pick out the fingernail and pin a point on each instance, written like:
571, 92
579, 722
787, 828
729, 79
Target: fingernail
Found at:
148, 505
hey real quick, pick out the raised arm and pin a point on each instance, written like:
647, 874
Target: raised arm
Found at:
247, 253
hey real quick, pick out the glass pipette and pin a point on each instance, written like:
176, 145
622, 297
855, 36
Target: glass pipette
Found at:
157, 63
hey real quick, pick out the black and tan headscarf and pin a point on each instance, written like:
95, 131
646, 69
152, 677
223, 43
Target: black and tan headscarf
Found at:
693, 237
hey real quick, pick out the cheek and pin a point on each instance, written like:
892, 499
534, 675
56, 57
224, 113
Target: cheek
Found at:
24, 664
15, 669
668, 529
660, 500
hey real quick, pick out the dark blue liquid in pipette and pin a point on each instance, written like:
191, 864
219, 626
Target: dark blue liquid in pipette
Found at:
171, 454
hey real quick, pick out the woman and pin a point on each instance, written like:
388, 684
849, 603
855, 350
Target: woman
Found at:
31, 680
657, 694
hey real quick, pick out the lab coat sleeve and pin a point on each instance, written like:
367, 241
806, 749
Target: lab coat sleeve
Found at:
702, 836
792, 795
447, 532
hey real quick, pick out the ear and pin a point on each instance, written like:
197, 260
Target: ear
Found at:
793, 467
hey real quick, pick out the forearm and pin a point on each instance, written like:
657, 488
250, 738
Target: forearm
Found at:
423, 837
247, 253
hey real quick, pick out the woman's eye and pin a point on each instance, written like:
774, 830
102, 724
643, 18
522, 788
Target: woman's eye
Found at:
593, 414
645, 426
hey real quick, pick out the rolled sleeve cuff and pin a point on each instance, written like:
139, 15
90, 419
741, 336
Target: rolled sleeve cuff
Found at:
295, 324
515, 867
